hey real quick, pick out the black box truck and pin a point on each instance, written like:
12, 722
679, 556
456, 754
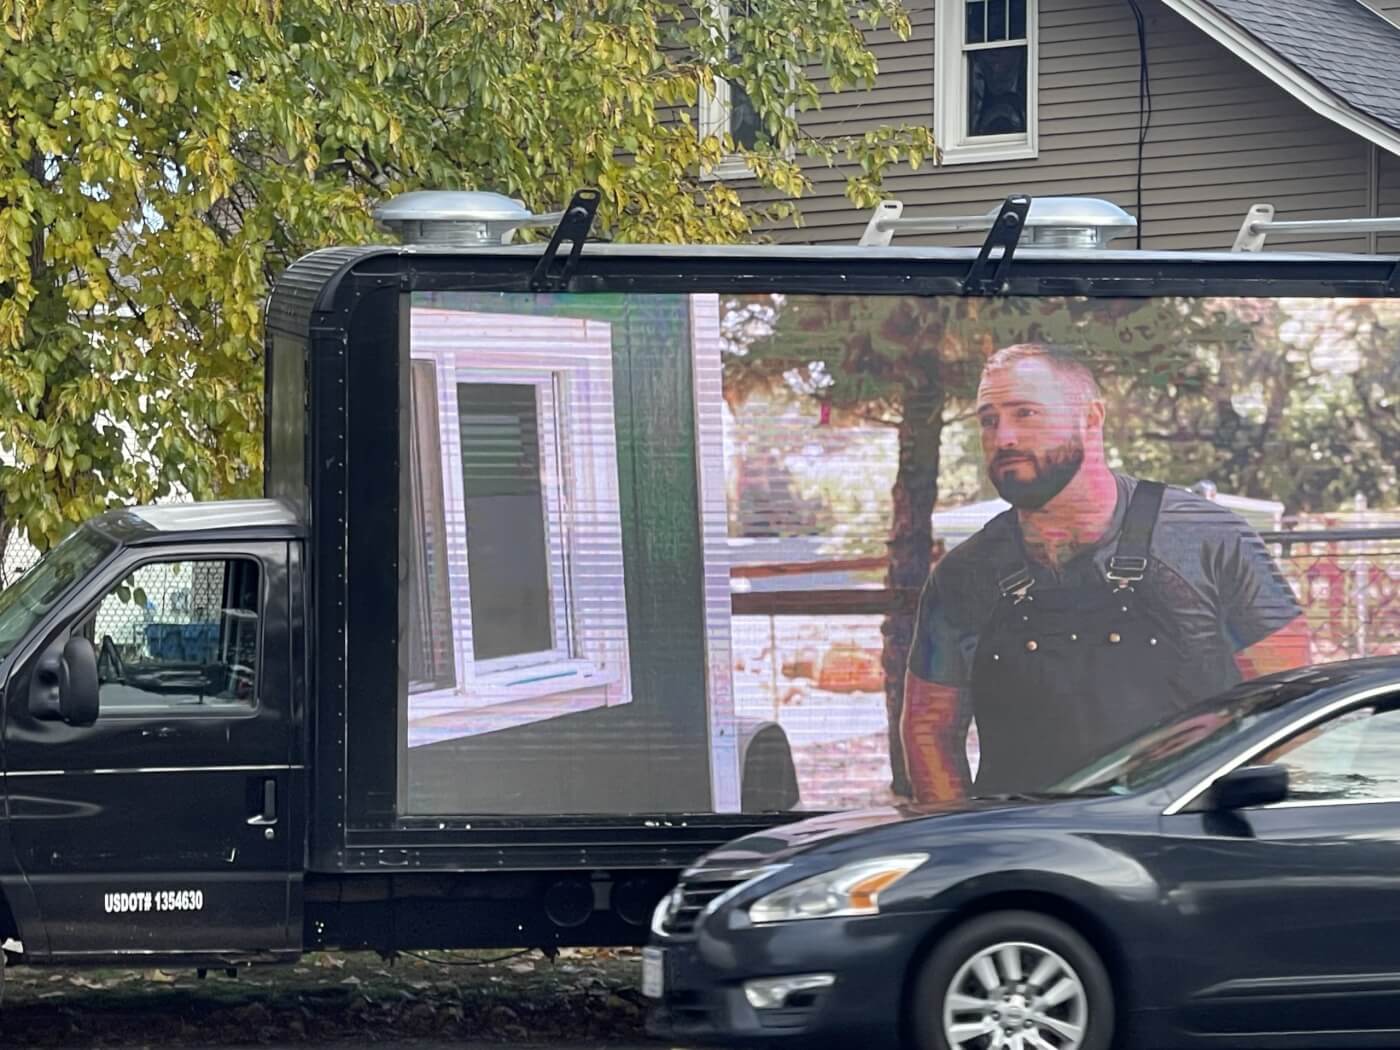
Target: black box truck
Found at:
576, 560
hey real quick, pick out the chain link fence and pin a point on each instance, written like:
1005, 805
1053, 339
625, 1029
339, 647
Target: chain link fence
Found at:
171, 610
1348, 583
18, 556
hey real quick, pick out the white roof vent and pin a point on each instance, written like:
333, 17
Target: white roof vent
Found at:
1052, 222
457, 218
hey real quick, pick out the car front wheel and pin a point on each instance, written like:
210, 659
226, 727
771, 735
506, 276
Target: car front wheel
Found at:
1013, 980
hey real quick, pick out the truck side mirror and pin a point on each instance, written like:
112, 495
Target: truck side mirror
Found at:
1249, 786
64, 686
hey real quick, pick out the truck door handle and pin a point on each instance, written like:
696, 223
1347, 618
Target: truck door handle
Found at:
268, 813
160, 733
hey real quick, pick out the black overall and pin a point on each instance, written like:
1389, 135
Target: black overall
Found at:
1063, 674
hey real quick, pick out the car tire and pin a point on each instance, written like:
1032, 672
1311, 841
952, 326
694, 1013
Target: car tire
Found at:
1045, 979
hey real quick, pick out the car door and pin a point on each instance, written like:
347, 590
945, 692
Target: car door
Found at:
169, 825
1288, 914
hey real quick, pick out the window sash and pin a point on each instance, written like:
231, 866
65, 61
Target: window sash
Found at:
1006, 23
523, 530
1022, 67
953, 82
448, 376
553, 491
994, 45
430, 594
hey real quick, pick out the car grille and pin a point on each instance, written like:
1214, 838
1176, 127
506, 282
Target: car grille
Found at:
697, 890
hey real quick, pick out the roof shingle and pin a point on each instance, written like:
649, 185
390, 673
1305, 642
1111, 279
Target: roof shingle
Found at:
1341, 44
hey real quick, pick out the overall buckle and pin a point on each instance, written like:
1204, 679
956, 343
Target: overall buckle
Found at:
1017, 586
1125, 571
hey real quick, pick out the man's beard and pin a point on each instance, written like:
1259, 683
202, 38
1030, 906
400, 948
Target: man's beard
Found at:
1053, 471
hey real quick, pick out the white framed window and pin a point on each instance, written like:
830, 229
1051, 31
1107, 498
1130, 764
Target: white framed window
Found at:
517, 607
728, 110
986, 70
512, 491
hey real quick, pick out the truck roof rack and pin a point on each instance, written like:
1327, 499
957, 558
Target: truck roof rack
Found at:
1260, 222
1052, 222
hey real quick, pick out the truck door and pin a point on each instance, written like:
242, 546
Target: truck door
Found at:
171, 825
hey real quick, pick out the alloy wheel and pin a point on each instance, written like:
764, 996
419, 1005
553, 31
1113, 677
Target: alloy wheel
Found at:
1015, 995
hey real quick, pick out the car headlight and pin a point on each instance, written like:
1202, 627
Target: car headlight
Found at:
850, 890
734, 881
664, 910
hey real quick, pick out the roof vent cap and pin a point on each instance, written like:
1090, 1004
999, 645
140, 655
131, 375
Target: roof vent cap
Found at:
1073, 222
457, 218
1052, 222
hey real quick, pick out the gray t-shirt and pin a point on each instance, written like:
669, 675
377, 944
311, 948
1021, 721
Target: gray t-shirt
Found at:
1209, 571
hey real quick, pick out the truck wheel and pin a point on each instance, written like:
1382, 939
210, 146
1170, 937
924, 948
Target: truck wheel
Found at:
1013, 980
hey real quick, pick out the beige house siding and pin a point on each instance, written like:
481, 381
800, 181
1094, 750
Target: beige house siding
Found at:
1388, 197
903, 92
1222, 136
902, 95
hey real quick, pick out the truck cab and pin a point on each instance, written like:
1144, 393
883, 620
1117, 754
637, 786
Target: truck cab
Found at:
154, 748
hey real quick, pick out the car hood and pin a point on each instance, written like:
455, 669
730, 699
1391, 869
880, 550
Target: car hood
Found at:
777, 844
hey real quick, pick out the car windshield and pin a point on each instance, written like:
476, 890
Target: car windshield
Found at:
29, 599
1158, 754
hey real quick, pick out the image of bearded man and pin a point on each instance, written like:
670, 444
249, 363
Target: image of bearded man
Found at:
1095, 606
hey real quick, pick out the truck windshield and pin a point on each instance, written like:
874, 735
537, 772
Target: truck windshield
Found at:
28, 600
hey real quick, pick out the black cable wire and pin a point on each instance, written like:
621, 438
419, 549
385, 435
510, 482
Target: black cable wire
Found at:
1144, 106
478, 962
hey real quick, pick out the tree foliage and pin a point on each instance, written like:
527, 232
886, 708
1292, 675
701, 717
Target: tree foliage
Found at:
1295, 402
162, 160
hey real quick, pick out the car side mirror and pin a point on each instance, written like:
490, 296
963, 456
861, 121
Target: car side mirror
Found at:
1249, 786
64, 686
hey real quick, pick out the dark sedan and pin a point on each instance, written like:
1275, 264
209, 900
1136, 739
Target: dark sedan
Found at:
1230, 878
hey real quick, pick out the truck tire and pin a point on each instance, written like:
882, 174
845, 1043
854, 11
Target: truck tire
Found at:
1013, 973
